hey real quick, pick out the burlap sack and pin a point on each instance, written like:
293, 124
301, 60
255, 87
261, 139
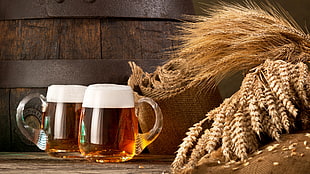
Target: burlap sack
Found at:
182, 103
289, 156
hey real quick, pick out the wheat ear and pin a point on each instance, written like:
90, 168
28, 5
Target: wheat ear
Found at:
187, 143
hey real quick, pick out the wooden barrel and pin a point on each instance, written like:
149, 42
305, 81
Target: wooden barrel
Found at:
76, 42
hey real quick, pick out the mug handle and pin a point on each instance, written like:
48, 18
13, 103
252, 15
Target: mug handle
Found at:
147, 138
37, 136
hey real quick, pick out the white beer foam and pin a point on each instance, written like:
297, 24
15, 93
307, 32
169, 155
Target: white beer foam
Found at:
108, 96
65, 93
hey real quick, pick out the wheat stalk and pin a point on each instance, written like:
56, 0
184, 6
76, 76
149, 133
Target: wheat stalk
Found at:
258, 108
187, 144
231, 38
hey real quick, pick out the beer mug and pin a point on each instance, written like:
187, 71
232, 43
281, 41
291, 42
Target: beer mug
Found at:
109, 125
61, 110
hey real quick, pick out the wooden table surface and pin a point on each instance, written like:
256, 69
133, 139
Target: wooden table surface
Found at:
40, 162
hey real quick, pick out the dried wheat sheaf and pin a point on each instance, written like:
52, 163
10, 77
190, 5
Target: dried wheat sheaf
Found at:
274, 95
267, 103
235, 37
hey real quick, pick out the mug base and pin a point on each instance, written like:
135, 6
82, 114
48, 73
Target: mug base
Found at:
109, 159
65, 154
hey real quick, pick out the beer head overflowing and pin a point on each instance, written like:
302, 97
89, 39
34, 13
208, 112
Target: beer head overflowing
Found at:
108, 96
65, 93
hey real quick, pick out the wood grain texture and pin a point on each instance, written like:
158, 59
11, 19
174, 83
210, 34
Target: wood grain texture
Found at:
9, 42
156, 38
136, 38
37, 39
79, 39
50, 39
28, 39
111, 38
5, 121
40, 162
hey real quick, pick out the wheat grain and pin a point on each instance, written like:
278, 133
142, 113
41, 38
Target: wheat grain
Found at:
215, 132
227, 141
210, 137
269, 127
254, 115
284, 69
239, 136
276, 84
259, 93
285, 120
301, 83
272, 108
199, 150
187, 144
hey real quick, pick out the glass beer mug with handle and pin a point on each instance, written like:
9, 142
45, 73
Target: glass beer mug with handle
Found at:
109, 125
61, 109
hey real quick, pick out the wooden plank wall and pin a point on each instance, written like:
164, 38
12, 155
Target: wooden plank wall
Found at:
110, 38
87, 38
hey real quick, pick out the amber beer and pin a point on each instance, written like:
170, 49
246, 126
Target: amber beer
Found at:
61, 120
111, 134
62, 128
108, 124
109, 127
